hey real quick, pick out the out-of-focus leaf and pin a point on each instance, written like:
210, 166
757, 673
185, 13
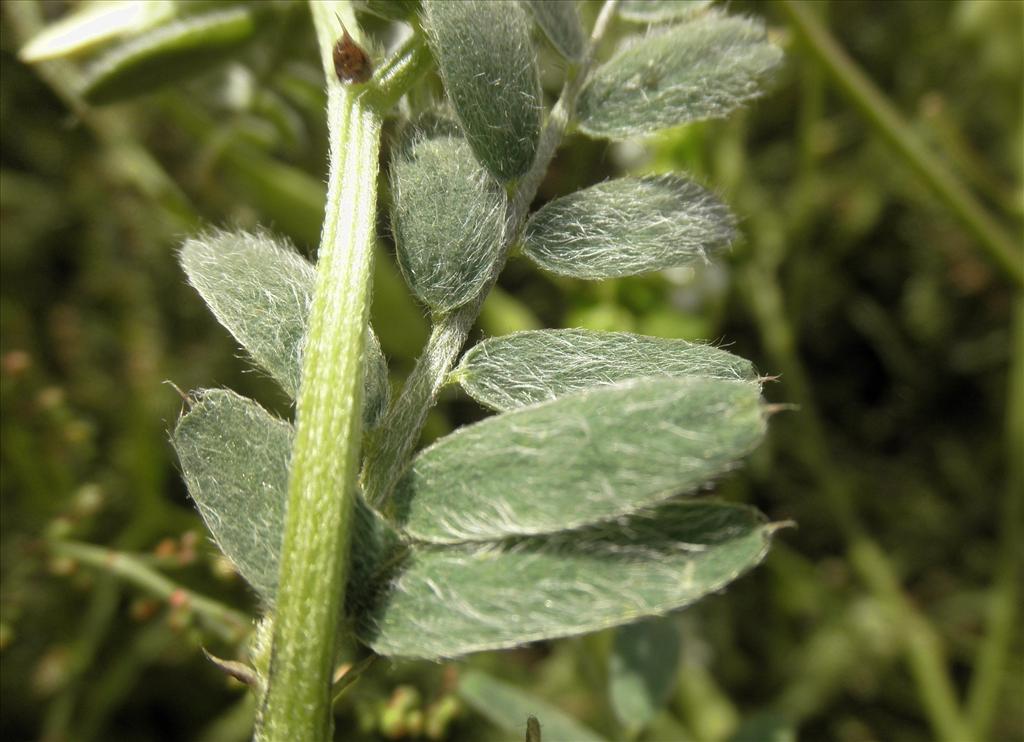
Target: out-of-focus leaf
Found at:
628, 226
766, 726
561, 24
659, 11
234, 457
260, 290
447, 601
376, 382
483, 52
529, 367
169, 53
448, 217
392, 10
642, 670
503, 313
508, 708
698, 70
94, 24
581, 458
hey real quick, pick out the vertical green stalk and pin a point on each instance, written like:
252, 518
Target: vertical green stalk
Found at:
321, 490
1004, 598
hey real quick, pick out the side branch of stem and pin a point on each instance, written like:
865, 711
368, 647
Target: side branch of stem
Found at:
390, 448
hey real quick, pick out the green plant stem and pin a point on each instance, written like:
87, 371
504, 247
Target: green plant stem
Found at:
390, 448
94, 627
995, 651
884, 117
227, 623
325, 455
403, 69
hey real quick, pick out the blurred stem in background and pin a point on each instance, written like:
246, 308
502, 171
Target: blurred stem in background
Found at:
1004, 597
886, 120
133, 163
770, 232
227, 623
139, 446
93, 630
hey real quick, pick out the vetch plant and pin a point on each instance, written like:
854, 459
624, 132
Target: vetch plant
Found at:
572, 508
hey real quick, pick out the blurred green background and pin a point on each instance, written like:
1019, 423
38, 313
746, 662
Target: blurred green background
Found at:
890, 613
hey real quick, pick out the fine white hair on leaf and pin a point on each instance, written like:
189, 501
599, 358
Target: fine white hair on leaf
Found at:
452, 600
234, 457
260, 290
425, 600
627, 226
538, 365
489, 68
448, 217
581, 458
703, 69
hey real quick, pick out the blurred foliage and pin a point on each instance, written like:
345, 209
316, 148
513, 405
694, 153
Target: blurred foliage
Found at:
884, 321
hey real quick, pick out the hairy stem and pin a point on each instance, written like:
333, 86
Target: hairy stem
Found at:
393, 443
227, 623
883, 116
325, 455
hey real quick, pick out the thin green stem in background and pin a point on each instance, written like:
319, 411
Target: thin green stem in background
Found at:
390, 448
924, 648
94, 628
995, 651
227, 623
123, 674
762, 291
886, 120
325, 455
